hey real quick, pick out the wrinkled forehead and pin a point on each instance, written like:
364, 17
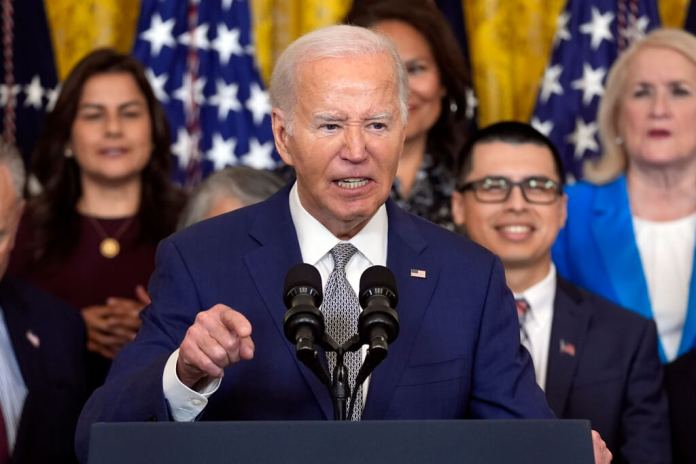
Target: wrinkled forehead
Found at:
352, 81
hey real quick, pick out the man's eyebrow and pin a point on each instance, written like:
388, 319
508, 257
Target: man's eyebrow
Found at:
328, 117
380, 116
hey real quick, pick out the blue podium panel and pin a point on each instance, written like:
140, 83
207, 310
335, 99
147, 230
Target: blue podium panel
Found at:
369, 442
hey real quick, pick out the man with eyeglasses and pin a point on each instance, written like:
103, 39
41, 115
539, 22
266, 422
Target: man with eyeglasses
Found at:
593, 359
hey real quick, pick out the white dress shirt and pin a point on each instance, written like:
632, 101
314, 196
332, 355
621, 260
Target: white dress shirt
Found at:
537, 324
666, 253
316, 241
13, 390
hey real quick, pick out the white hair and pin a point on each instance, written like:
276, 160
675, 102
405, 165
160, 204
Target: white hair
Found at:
332, 42
12, 160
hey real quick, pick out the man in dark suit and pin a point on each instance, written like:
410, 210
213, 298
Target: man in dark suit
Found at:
595, 360
339, 109
42, 350
680, 383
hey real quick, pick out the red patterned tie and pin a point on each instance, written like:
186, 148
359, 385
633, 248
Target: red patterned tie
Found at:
4, 444
522, 312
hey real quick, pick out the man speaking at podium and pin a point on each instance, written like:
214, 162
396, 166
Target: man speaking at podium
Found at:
212, 345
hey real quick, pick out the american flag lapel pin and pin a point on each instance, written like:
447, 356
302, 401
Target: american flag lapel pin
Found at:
418, 273
33, 339
567, 348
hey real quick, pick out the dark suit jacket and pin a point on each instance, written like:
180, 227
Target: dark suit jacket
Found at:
603, 366
680, 381
457, 355
54, 372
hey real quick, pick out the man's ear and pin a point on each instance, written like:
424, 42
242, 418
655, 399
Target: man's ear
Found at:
280, 124
458, 209
564, 210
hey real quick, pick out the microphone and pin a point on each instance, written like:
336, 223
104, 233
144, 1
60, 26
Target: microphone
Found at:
378, 323
303, 322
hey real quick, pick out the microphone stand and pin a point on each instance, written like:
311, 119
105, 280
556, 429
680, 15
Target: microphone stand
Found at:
339, 389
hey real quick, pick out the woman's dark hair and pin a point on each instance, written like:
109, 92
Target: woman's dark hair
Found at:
54, 214
448, 135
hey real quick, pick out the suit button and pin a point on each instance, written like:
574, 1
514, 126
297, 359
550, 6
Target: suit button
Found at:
152, 419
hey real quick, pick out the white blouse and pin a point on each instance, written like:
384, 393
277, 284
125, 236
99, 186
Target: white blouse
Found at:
666, 253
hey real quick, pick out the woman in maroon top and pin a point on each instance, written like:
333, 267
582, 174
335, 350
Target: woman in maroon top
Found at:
103, 163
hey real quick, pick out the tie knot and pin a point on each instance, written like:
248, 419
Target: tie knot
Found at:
522, 307
341, 254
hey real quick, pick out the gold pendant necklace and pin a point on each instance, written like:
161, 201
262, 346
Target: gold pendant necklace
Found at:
109, 247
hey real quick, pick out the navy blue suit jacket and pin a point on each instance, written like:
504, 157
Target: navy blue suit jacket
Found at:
680, 382
603, 366
457, 355
53, 371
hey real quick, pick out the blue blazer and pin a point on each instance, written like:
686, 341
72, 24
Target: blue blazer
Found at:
611, 375
597, 250
53, 370
457, 355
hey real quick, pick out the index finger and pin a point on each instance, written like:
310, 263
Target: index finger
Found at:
236, 322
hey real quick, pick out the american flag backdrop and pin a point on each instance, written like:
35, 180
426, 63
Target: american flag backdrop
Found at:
200, 61
29, 85
589, 36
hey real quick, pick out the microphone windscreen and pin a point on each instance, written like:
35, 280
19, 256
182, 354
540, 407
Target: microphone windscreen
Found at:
301, 275
378, 277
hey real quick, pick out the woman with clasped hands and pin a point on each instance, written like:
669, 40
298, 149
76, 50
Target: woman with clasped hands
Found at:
630, 233
103, 163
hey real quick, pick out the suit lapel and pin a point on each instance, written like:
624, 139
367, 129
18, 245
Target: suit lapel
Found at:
688, 340
568, 333
23, 336
268, 264
612, 228
405, 252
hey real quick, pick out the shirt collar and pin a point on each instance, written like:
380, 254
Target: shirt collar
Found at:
316, 240
541, 295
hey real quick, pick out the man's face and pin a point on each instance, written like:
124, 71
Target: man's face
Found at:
10, 212
519, 232
343, 137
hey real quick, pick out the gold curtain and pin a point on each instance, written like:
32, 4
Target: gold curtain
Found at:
79, 26
279, 22
673, 12
510, 43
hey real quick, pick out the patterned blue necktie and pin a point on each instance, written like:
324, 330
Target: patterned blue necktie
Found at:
341, 309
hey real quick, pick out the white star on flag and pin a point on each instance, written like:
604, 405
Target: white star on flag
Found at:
259, 155
550, 84
258, 103
583, 137
34, 93
5, 93
52, 96
183, 148
636, 28
225, 99
598, 27
159, 34
562, 32
222, 152
227, 43
198, 39
590, 83
190, 92
157, 83
545, 127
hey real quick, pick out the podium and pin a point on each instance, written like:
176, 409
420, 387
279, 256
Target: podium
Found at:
322, 442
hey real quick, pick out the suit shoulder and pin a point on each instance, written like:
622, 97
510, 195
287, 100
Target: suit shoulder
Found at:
455, 250
603, 309
36, 299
